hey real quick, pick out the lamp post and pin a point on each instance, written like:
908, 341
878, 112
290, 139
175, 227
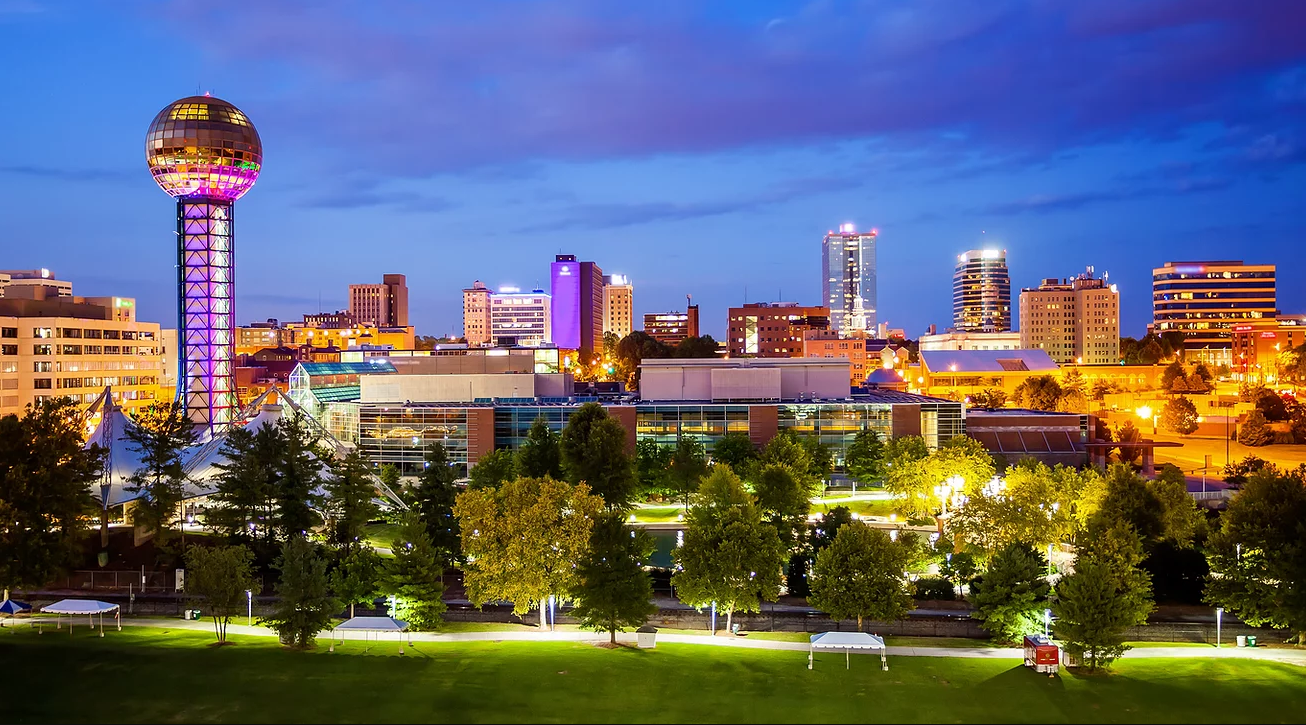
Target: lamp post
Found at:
1047, 622
249, 607
1219, 614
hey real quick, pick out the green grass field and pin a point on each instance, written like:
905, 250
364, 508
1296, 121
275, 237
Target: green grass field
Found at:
860, 506
150, 675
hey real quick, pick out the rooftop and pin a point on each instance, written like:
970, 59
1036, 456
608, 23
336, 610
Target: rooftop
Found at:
939, 362
372, 365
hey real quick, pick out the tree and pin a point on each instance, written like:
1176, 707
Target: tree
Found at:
304, 604
1179, 416
1073, 401
865, 458
1238, 472
594, 452
861, 576
784, 499
351, 501
540, 454
218, 578
702, 346
1040, 392
653, 468
161, 435
612, 591
1106, 595
914, 474
687, 467
905, 476
1258, 556
390, 476
1255, 431
300, 477
494, 469
988, 398
45, 483
246, 490
730, 556
735, 450
433, 498
522, 541
1271, 405
1173, 372
1011, 596
414, 576
827, 527
1033, 504
1127, 433
357, 577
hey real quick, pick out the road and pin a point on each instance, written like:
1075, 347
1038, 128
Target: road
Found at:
1290, 656
1191, 456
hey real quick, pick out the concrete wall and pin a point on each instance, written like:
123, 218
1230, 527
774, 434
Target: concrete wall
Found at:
747, 379
458, 388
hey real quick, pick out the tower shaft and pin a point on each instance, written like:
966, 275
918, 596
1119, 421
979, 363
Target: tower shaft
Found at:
206, 318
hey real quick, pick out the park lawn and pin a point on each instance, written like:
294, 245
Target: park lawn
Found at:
657, 514
381, 535
860, 506
152, 675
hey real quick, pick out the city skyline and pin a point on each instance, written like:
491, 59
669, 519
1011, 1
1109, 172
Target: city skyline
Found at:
1191, 155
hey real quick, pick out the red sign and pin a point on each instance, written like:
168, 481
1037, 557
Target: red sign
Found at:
1268, 334
1242, 328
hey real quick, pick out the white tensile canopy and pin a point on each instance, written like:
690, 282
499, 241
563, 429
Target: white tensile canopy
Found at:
202, 467
89, 607
368, 626
848, 642
120, 462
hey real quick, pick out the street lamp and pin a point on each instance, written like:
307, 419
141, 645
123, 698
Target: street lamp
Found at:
949, 489
1047, 621
249, 607
1219, 614
1146, 412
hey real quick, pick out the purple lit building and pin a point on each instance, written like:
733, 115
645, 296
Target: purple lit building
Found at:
577, 291
205, 153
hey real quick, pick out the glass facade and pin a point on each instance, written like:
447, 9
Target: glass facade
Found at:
665, 423
981, 292
400, 435
849, 278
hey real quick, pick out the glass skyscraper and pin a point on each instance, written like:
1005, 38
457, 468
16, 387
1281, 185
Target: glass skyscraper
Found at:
848, 278
981, 292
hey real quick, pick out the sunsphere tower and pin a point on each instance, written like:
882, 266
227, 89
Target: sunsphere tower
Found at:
205, 152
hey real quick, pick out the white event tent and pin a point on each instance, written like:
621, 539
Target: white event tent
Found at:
88, 607
368, 626
847, 642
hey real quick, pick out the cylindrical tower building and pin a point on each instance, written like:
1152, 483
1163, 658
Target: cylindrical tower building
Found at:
205, 152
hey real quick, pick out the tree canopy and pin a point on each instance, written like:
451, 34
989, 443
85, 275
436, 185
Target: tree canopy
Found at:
593, 448
612, 591
540, 454
218, 577
735, 450
1011, 596
160, 436
493, 469
861, 575
865, 458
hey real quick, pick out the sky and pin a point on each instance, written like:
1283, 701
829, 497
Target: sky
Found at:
699, 148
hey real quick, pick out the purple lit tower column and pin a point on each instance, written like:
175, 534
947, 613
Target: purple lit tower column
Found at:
205, 152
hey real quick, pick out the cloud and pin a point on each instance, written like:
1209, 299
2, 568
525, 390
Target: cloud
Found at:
63, 174
418, 89
1050, 203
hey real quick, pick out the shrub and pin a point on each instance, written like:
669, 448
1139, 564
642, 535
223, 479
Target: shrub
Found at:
934, 588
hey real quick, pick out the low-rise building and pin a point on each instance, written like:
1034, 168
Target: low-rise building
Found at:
669, 328
970, 341
1257, 348
773, 329
956, 374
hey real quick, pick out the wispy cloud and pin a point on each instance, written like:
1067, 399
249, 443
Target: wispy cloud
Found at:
64, 174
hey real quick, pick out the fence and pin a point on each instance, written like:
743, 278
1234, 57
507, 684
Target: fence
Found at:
1217, 495
118, 581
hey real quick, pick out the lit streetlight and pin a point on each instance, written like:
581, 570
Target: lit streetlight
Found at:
1219, 614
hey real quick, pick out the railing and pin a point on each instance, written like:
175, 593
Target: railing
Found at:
153, 581
1217, 495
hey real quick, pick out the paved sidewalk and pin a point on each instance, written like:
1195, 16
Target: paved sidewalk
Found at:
1290, 656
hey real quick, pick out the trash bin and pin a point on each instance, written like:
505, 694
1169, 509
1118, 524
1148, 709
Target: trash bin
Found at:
646, 637
1251, 640
193, 614
734, 628
1242, 641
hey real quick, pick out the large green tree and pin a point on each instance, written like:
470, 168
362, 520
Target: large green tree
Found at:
1258, 556
612, 590
1179, 416
1255, 430
350, 502
1040, 392
246, 489
414, 576
865, 458
861, 575
784, 498
653, 468
1107, 593
730, 556
493, 469
1032, 503
1010, 597
523, 540
45, 483
304, 605
735, 450
594, 452
356, 577
687, 467
218, 578
433, 498
161, 435
916, 478
301, 476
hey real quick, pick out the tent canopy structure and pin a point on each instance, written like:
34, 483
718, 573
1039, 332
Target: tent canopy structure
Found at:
846, 642
368, 625
120, 460
88, 607
12, 607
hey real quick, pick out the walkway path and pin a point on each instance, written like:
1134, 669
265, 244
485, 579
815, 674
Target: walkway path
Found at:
1290, 656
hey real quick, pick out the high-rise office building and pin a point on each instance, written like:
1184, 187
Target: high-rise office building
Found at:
981, 292
618, 305
848, 278
669, 328
22, 283
1075, 320
773, 329
64, 346
476, 314
577, 291
205, 153
1204, 300
380, 305
520, 318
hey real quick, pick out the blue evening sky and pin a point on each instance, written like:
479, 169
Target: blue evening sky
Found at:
701, 148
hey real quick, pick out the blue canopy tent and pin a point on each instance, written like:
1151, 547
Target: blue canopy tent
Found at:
10, 608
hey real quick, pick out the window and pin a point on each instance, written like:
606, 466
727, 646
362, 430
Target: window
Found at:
42, 384
92, 334
70, 332
71, 350
42, 366
112, 335
8, 332
8, 349
43, 349
93, 350
42, 332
